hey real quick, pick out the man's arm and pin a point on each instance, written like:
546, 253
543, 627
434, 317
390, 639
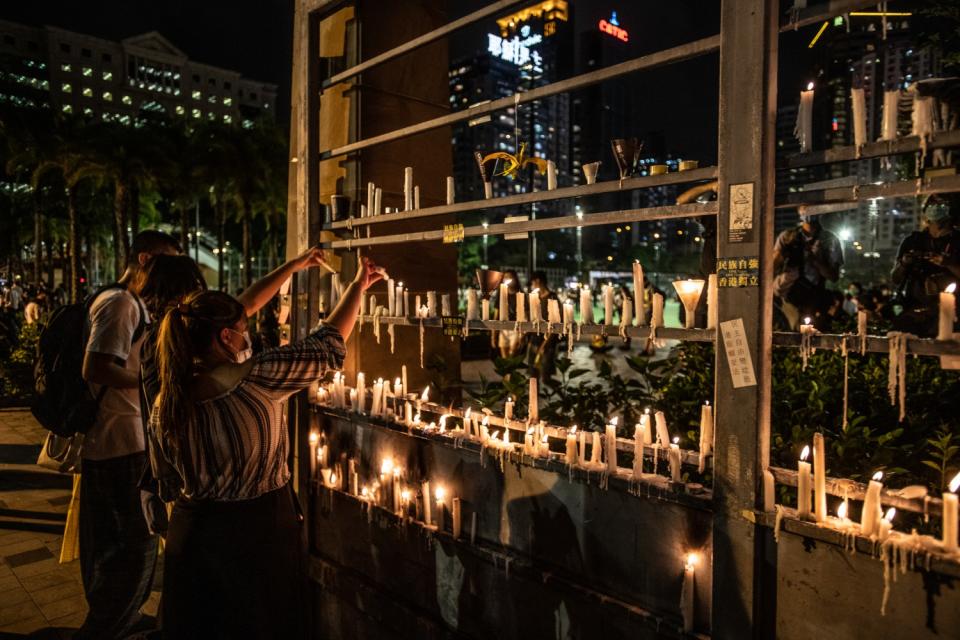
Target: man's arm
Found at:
112, 325
102, 368
257, 295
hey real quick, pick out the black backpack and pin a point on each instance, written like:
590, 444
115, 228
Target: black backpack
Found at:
64, 403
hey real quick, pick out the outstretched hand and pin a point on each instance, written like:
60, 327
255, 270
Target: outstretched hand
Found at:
368, 273
313, 257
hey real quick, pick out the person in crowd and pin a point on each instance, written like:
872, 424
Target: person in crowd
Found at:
508, 340
805, 259
928, 261
117, 552
31, 311
234, 551
14, 299
542, 350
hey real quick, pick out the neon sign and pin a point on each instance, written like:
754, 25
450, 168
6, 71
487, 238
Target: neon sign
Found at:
515, 50
612, 27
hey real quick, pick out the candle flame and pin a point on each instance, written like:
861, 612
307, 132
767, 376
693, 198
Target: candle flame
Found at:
842, 511
405, 495
486, 421
440, 493
400, 284
416, 419
693, 559
495, 435
545, 439
333, 478
321, 452
425, 396
807, 320
397, 383
955, 483
386, 467
573, 429
613, 421
891, 514
364, 491
314, 437
530, 431
809, 86
397, 471
676, 439
647, 411
951, 287
466, 416
805, 453
878, 476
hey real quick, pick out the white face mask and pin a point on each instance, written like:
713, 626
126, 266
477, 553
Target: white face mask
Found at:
247, 352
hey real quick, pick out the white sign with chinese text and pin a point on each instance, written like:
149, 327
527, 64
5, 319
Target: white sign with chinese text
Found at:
738, 353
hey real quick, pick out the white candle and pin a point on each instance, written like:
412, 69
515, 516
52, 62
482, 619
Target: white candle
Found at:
890, 108
431, 304
706, 434
571, 454
582, 446
416, 306
484, 309
688, 594
861, 323
406, 311
521, 306
586, 305
639, 307
638, 438
440, 493
455, 517
608, 304
544, 450
534, 411
803, 485
950, 516
450, 190
314, 440
858, 107
508, 410
663, 435
377, 201
371, 195
534, 300
595, 450
407, 413
403, 381
673, 455
407, 188
445, 304
416, 197
375, 401
819, 478
391, 297
472, 312
568, 317
689, 292
645, 425
712, 307
886, 524
611, 447
505, 300
425, 489
553, 311
354, 478
487, 190
398, 300
948, 312
529, 445
361, 393
657, 320
870, 518
551, 175
804, 128
626, 312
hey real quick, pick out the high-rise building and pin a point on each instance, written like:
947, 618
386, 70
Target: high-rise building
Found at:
127, 81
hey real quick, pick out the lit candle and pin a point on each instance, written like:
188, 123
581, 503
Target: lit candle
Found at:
425, 489
674, 456
322, 456
485, 309
886, 525
608, 304
487, 190
534, 299
861, 323
455, 517
551, 175
472, 312
314, 439
807, 326
408, 413
386, 477
639, 306
712, 307
521, 306
819, 478
450, 190
441, 493
505, 300
586, 305
870, 518
842, 512
950, 516
485, 430
645, 426
948, 312
568, 317
663, 435
431, 304
657, 320
508, 409
544, 450
553, 311
376, 398
571, 454
403, 381
398, 300
391, 297
406, 304
858, 108
407, 188
638, 437
706, 434
361, 393
804, 128
612, 447
689, 292
687, 594
803, 485
534, 410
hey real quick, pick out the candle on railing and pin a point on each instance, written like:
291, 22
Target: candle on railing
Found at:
431, 304
804, 128
608, 304
377, 201
862, 330
535, 311
657, 320
407, 413
586, 305
639, 308
487, 190
407, 188
551, 175
687, 593
440, 493
590, 171
819, 478
529, 447
485, 309
450, 190
534, 408
455, 517
398, 309
505, 300
427, 510
508, 409
424, 397
674, 457
858, 108
571, 454
948, 312
371, 195
769, 491
403, 381
361, 394
803, 485
582, 447
416, 196
322, 456
646, 427
485, 430
386, 476
950, 516
626, 314
553, 311
638, 439
888, 129
886, 524
706, 434
445, 304
870, 518
663, 435
595, 449
521, 306
376, 397
611, 446
842, 511
472, 311
354, 477
568, 317
689, 292
406, 303
712, 307
314, 439
391, 297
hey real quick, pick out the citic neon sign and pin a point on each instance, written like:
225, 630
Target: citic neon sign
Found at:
612, 27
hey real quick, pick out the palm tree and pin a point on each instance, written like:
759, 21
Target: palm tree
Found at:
215, 155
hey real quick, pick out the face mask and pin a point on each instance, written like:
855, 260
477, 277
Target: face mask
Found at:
247, 352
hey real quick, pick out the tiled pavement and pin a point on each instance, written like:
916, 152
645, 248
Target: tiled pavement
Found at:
39, 597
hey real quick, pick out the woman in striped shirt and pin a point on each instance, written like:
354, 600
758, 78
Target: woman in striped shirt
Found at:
234, 552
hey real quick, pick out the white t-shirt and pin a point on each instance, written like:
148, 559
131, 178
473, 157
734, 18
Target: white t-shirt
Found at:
14, 297
118, 430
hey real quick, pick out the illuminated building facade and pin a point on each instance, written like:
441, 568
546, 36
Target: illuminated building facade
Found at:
127, 81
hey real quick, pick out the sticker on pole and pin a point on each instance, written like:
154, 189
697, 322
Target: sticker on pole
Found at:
738, 272
738, 353
741, 213
452, 233
452, 326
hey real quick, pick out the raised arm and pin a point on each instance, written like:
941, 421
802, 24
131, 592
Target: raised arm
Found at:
262, 291
344, 316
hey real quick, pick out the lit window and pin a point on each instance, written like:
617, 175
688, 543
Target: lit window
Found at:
67, 108
248, 124
227, 119
228, 101
211, 116
126, 100
67, 87
88, 111
87, 92
196, 113
195, 95
108, 75
66, 68
176, 92
108, 96
124, 119
180, 110
87, 72
212, 99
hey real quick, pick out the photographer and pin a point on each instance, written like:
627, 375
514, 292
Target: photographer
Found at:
927, 262
804, 260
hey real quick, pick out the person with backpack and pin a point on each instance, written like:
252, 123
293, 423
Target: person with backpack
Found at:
117, 551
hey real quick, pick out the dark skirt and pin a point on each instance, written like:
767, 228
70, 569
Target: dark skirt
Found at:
235, 569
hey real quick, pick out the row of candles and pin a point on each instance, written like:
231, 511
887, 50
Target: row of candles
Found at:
393, 402
874, 523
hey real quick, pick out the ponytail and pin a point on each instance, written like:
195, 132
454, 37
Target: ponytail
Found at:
187, 332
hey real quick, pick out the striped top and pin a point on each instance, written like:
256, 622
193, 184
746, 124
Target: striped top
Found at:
236, 446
